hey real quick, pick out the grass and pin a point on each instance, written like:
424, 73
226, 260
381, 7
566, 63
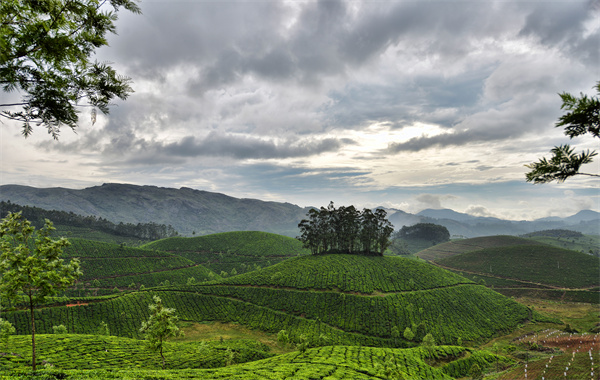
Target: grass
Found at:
217, 331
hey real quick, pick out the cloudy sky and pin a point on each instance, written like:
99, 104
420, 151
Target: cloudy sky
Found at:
406, 104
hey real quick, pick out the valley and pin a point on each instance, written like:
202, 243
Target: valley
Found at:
257, 305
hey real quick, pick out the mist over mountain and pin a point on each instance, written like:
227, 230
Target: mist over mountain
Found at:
200, 212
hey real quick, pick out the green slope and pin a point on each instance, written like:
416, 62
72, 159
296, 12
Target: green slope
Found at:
350, 273
366, 306
241, 250
456, 247
71, 351
330, 362
541, 264
107, 265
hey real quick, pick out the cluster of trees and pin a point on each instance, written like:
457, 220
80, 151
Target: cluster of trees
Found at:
37, 216
425, 231
346, 230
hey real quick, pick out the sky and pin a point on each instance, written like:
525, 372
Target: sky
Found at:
403, 104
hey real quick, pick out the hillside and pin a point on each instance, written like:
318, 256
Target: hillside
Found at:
127, 361
106, 266
459, 246
86, 352
195, 212
241, 251
348, 299
188, 211
540, 264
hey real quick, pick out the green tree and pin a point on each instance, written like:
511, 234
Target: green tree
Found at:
45, 50
408, 334
583, 117
476, 372
161, 325
30, 264
60, 329
426, 231
6, 330
428, 342
283, 338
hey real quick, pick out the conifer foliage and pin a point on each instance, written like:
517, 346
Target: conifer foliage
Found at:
346, 230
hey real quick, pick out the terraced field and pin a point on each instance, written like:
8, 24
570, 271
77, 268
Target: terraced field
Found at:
107, 265
371, 301
457, 247
240, 251
329, 362
536, 264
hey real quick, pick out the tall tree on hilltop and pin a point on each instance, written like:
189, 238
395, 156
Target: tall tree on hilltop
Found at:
345, 230
45, 49
30, 264
583, 118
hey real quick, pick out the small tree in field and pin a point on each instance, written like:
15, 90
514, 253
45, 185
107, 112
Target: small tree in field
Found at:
6, 330
161, 325
30, 265
408, 334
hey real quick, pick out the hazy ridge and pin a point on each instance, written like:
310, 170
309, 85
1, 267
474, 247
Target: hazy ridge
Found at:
192, 211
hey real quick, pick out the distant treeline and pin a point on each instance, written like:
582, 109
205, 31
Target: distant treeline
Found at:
346, 230
37, 216
557, 233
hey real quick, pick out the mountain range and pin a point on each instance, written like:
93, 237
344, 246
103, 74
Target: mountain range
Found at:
197, 212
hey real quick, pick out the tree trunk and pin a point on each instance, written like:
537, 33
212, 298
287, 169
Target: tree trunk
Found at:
33, 364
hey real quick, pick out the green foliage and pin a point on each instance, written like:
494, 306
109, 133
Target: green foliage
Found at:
475, 372
103, 329
243, 251
459, 246
6, 330
92, 227
30, 264
283, 338
583, 118
428, 341
108, 265
535, 263
426, 231
408, 334
330, 362
60, 329
161, 325
93, 352
345, 230
350, 273
45, 55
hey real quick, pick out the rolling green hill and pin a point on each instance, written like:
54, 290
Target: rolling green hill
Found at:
539, 264
456, 247
122, 361
72, 351
587, 243
352, 300
241, 250
107, 265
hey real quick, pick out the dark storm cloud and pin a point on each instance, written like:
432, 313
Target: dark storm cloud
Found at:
561, 24
248, 147
427, 99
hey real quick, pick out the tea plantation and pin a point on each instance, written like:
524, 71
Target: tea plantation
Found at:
240, 251
540, 264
